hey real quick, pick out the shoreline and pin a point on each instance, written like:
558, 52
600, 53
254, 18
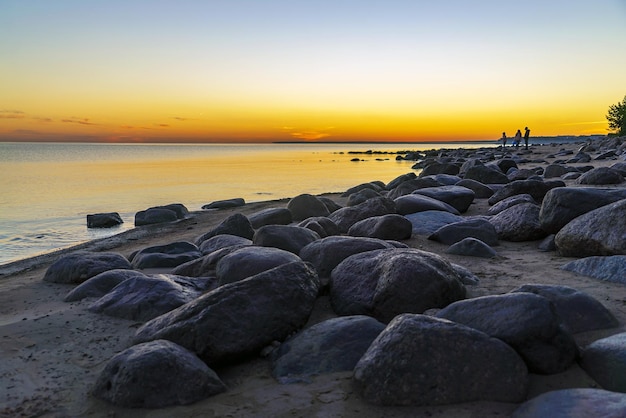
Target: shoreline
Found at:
55, 350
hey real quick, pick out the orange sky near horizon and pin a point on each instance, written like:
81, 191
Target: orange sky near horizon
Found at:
245, 71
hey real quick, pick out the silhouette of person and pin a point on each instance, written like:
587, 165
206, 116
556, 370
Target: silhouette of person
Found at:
526, 135
518, 138
503, 139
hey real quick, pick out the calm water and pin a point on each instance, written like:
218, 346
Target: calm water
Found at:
47, 190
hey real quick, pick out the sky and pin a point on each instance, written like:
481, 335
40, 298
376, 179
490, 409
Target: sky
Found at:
340, 70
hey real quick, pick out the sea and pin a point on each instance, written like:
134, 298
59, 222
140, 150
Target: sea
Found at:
48, 189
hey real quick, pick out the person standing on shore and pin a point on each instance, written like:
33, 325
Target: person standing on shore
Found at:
526, 136
518, 138
503, 139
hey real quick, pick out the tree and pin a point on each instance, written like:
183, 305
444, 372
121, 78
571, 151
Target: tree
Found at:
617, 117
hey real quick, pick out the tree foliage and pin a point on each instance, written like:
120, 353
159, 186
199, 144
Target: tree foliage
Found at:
617, 117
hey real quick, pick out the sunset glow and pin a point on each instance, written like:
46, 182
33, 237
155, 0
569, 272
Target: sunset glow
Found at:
260, 71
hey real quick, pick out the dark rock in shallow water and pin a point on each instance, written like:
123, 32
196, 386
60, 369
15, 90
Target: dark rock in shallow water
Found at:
605, 361
611, 268
143, 298
237, 320
327, 253
574, 403
160, 214
271, 216
458, 197
599, 232
578, 311
525, 321
477, 228
104, 220
168, 255
348, 216
236, 224
306, 206
563, 204
333, 345
82, 265
519, 223
386, 227
101, 284
155, 375
421, 360
385, 283
472, 247
427, 222
224, 204
286, 237
248, 261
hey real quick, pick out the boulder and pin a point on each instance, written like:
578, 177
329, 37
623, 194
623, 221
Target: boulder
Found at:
361, 196
248, 261
605, 361
143, 298
104, 220
326, 253
225, 204
439, 168
481, 191
478, 228
563, 204
306, 206
578, 311
220, 241
610, 268
100, 284
344, 218
536, 188
509, 202
574, 403
410, 186
160, 214
472, 247
558, 170
156, 374
601, 175
486, 175
237, 320
236, 224
333, 345
386, 283
76, 267
525, 321
205, 266
286, 237
168, 255
428, 221
271, 216
458, 197
518, 223
400, 179
377, 187
413, 203
386, 227
324, 226
421, 360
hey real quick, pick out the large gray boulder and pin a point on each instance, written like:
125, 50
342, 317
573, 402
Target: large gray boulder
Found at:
239, 319
558, 170
599, 232
413, 203
323, 226
168, 255
421, 360
427, 222
101, 284
536, 188
271, 216
236, 224
386, 227
160, 214
519, 223
526, 321
578, 311
481, 191
409, 186
205, 266
327, 253
486, 175
361, 196
472, 247
222, 241
605, 361
156, 374
458, 197
344, 218
333, 345
478, 228
248, 261
385, 283
610, 268
143, 298
104, 220
306, 206
563, 204
600, 176
286, 237
574, 403
509, 202
77, 267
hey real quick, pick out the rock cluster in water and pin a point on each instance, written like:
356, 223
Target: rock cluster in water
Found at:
251, 283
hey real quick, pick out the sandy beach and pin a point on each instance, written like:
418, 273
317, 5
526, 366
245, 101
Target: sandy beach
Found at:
53, 351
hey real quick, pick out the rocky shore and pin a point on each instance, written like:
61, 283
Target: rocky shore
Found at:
487, 282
